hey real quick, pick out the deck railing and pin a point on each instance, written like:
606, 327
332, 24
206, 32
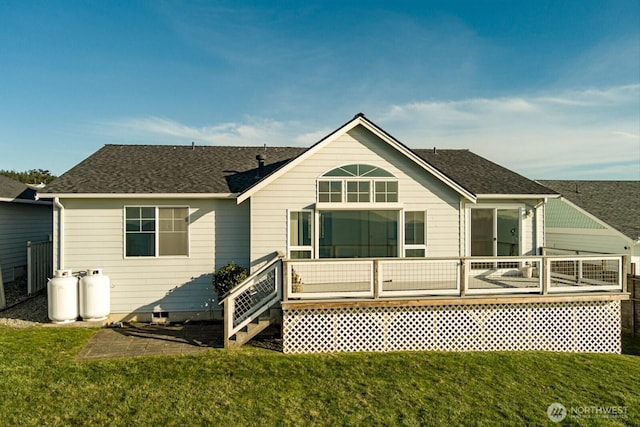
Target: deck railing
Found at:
251, 298
405, 278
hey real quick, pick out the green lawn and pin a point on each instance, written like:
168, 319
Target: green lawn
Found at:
41, 383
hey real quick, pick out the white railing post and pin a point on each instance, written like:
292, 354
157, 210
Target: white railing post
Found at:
464, 279
376, 278
546, 275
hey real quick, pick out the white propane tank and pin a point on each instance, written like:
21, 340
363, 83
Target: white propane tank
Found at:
95, 295
62, 297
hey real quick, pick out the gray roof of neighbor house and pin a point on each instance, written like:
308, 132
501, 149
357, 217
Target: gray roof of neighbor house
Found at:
615, 202
207, 169
12, 189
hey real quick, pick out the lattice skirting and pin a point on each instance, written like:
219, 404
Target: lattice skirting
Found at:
562, 326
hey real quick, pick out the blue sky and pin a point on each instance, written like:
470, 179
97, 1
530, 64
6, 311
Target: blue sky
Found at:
550, 89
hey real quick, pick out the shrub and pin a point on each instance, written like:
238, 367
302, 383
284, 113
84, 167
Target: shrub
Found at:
228, 277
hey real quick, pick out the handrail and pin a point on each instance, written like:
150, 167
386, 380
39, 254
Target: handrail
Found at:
242, 286
254, 296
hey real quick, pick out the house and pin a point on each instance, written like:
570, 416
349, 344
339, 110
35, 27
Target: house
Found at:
595, 216
360, 242
23, 218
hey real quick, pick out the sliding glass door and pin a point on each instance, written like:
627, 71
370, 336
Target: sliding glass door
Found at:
495, 232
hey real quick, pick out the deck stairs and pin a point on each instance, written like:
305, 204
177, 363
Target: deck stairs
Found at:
253, 305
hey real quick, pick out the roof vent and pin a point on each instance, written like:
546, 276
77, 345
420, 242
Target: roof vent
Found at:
358, 115
260, 158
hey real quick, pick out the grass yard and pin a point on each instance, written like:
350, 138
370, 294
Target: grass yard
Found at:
41, 383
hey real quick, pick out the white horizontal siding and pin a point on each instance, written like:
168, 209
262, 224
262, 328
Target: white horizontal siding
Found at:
94, 238
20, 223
297, 190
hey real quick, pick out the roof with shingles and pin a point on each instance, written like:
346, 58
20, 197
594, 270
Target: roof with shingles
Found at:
479, 175
207, 169
617, 203
12, 189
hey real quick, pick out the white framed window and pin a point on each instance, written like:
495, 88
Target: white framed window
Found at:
358, 191
415, 234
152, 231
300, 234
357, 183
386, 191
330, 191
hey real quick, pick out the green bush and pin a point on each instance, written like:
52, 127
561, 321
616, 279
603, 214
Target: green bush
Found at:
228, 277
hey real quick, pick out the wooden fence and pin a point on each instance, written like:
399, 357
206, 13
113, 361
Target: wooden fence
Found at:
631, 308
39, 265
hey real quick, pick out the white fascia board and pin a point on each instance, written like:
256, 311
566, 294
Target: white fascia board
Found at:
519, 196
26, 201
596, 219
313, 149
141, 195
344, 129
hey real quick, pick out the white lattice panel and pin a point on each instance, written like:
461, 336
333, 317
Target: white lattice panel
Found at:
562, 326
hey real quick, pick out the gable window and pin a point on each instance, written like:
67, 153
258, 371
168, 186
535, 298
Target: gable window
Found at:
386, 191
330, 191
156, 231
357, 183
358, 191
414, 234
300, 234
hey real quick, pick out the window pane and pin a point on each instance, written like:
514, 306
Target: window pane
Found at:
300, 229
148, 225
133, 225
173, 244
133, 213
414, 228
353, 234
330, 191
386, 191
148, 212
300, 254
141, 244
174, 236
414, 253
358, 191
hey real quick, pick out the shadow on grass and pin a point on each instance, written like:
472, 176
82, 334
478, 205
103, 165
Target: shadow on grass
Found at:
630, 345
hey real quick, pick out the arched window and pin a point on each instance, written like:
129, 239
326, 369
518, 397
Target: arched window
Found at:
357, 183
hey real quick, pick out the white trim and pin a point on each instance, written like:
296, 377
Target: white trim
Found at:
518, 196
358, 120
141, 195
358, 206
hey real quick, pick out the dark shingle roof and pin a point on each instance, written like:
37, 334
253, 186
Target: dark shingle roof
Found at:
615, 202
12, 189
170, 169
479, 175
207, 169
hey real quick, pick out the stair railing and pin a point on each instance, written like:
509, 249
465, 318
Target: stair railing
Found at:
251, 298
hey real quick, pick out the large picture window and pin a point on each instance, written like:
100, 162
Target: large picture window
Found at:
156, 231
358, 234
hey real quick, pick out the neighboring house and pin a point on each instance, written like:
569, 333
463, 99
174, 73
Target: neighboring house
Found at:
367, 228
595, 216
23, 218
